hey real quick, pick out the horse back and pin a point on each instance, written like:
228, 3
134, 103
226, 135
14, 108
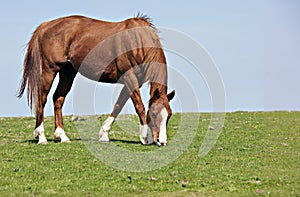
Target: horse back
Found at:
88, 44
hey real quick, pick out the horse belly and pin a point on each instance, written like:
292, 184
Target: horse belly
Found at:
99, 73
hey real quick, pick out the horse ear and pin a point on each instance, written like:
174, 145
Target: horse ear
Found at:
171, 95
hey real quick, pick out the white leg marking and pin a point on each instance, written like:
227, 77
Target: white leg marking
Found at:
143, 133
163, 125
39, 132
60, 134
146, 135
103, 133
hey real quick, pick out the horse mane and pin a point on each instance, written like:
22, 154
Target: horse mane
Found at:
146, 19
155, 63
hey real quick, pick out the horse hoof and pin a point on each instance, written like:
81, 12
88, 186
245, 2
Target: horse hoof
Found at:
63, 138
143, 140
60, 134
103, 140
104, 137
42, 138
66, 141
158, 143
43, 142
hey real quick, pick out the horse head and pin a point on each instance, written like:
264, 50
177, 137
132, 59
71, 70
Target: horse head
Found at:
158, 116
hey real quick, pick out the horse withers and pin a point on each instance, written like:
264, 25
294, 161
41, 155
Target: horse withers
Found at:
127, 52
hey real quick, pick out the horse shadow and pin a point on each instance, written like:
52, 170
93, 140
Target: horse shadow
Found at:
35, 141
125, 141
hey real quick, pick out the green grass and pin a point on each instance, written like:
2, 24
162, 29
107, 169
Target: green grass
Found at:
257, 154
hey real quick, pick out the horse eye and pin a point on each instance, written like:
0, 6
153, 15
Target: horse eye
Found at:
153, 116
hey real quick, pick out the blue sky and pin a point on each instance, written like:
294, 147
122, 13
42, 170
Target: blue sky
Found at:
255, 45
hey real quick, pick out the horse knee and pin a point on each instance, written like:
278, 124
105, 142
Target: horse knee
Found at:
140, 109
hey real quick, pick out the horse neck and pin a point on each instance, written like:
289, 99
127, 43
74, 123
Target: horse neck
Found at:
157, 88
156, 73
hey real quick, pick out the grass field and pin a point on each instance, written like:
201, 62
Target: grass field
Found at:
257, 154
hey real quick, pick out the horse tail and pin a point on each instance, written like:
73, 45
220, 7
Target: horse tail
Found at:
32, 72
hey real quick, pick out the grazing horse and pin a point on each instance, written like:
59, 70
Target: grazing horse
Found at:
127, 52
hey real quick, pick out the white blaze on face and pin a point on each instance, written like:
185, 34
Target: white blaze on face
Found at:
163, 126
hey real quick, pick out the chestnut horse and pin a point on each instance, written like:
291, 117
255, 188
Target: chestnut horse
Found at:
127, 52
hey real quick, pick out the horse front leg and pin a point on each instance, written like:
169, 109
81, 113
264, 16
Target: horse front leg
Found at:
140, 110
133, 87
103, 133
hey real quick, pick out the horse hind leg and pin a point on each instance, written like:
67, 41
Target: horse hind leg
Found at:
47, 81
66, 78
